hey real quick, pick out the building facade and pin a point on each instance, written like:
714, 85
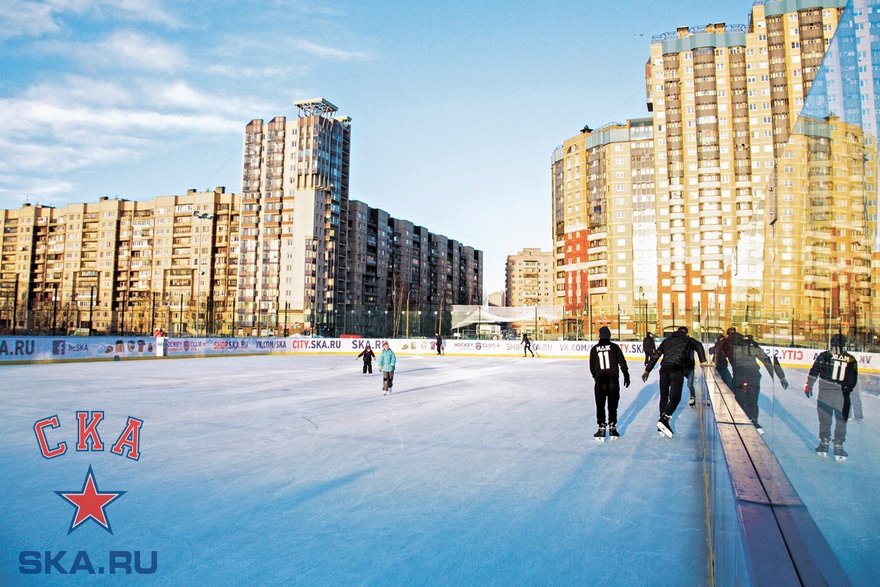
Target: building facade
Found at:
530, 278
290, 253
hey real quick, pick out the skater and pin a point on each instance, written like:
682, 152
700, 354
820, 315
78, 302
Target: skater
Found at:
606, 359
368, 356
648, 346
678, 354
527, 344
744, 353
689, 371
387, 363
838, 374
439, 342
720, 352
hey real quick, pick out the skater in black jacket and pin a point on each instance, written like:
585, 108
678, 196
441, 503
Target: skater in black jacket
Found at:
678, 356
648, 346
744, 355
527, 344
720, 352
368, 356
606, 359
838, 374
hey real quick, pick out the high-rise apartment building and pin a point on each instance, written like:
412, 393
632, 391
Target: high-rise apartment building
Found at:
725, 99
608, 232
294, 204
530, 278
290, 253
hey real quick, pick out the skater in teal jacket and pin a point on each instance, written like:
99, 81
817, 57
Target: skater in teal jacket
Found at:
387, 363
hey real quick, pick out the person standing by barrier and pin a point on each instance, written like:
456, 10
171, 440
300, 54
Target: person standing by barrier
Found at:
527, 344
648, 346
838, 374
678, 354
606, 360
720, 353
744, 354
438, 340
368, 356
387, 364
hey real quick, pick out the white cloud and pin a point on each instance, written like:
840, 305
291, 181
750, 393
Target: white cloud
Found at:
21, 18
28, 18
326, 52
126, 50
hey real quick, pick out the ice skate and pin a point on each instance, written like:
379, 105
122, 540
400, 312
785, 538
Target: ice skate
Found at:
822, 449
612, 432
840, 455
663, 427
600, 433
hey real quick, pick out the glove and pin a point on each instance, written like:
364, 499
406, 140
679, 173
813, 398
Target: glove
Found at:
808, 391
626, 380
784, 383
645, 376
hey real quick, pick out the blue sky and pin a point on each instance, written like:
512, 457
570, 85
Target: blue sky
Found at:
456, 106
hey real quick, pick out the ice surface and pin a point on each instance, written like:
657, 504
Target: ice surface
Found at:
296, 470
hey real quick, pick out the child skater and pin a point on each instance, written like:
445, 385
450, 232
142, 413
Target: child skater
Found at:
368, 356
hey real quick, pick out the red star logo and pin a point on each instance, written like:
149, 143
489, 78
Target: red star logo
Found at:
90, 503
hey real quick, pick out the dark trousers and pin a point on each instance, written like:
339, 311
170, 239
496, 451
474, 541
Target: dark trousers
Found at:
607, 389
832, 404
387, 380
368, 366
724, 372
528, 347
671, 382
689, 375
747, 390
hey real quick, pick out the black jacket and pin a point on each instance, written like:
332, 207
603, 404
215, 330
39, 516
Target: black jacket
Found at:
648, 345
677, 352
368, 355
605, 360
835, 371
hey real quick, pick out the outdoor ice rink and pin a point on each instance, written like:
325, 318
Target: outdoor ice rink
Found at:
297, 470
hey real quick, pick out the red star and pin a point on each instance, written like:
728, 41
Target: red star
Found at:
90, 503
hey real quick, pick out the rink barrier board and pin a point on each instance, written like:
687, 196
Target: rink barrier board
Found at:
780, 542
33, 349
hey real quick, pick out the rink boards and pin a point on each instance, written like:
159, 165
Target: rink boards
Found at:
26, 349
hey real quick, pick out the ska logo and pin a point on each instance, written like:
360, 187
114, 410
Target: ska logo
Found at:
91, 503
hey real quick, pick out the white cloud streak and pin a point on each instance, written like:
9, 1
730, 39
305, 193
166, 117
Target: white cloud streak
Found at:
325, 52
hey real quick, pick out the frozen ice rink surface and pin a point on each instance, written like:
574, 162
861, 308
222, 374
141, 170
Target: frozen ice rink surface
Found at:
296, 470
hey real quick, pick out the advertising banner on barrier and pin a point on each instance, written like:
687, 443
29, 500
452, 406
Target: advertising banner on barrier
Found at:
23, 349
74, 348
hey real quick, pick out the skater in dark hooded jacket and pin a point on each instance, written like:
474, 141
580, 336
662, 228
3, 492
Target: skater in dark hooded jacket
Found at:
368, 356
678, 356
606, 359
838, 374
745, 356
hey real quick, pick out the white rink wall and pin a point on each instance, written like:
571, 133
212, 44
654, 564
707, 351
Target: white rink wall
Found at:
26, 349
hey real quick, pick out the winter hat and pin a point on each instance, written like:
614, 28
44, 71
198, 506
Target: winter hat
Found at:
605, 333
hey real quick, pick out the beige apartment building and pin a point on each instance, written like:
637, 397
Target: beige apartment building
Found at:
607, 232
725, 99
530, 278
117, 265
294, 199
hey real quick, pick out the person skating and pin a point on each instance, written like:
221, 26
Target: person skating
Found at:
744, 355
387, 364
648, 346
368, 356
606, 359
720, 353
838, 374
678, 354
439, 342
689, 372
527, 344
